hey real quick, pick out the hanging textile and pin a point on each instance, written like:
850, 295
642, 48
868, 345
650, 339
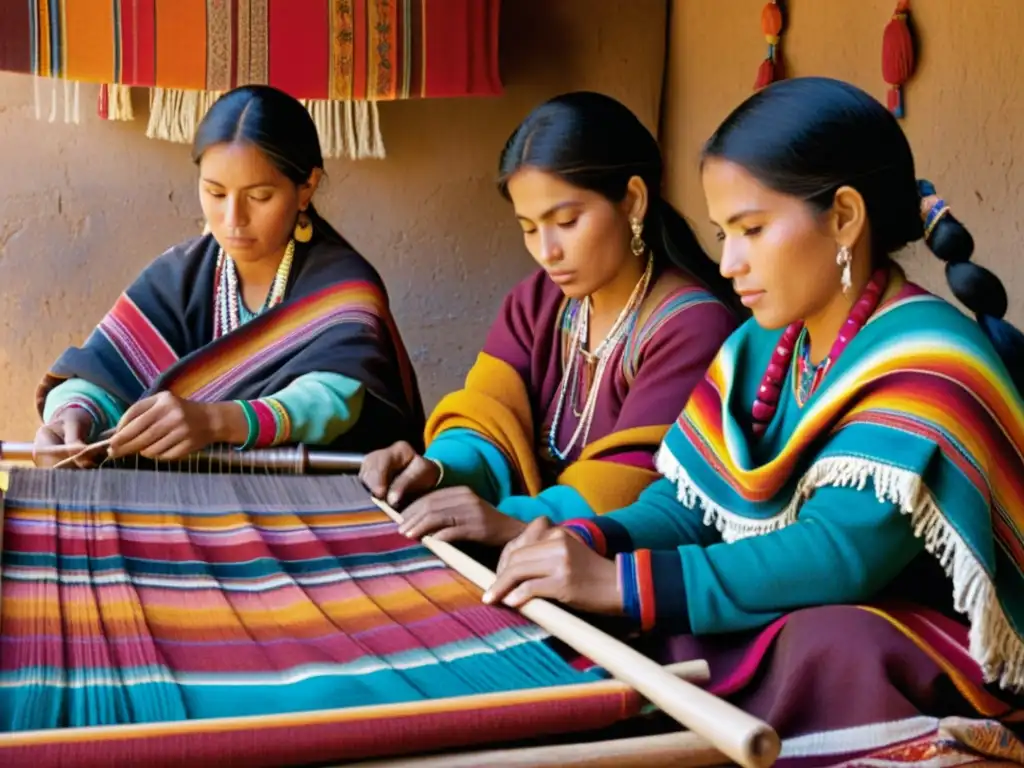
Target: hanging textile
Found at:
340, 57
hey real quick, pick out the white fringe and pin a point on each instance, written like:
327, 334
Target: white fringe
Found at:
994, 644
72, 99
119, 102
347, 129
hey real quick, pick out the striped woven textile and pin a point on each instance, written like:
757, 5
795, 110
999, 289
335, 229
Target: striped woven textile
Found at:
327, 52
186, 619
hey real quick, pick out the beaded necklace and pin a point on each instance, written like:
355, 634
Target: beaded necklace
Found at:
228, 308
601, 354
767, 400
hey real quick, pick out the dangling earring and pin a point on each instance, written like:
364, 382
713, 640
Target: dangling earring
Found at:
637, 244
303, 228
844, 258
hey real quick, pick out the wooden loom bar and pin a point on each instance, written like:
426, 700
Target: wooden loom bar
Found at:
298, 459
737, 734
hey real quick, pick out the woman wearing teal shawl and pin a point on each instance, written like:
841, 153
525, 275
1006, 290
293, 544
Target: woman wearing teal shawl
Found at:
839, 525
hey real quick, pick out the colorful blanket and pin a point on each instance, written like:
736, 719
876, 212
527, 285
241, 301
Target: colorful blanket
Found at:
188, 606
330, 53
919, 405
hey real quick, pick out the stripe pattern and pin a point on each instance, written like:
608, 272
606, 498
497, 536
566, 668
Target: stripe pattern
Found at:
350, 50
919, 406
249, 596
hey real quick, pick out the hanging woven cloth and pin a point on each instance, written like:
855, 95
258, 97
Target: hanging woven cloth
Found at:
339, 57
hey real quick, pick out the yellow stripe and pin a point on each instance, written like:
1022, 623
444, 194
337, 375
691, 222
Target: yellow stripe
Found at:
980, 699
362, 299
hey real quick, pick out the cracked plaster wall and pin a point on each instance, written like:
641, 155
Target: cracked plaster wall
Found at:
84, 208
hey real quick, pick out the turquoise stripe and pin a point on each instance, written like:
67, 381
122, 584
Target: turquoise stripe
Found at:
489, 670
263, 566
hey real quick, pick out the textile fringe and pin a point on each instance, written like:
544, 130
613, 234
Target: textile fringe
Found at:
72, 99
119, 102
349, 129
994, 644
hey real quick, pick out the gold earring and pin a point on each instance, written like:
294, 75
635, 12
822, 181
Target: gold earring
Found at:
844, 258
637, 244
303, 228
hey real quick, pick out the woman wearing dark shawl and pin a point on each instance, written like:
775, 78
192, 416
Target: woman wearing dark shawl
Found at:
268, 329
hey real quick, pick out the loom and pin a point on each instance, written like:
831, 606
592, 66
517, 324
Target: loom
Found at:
187, 616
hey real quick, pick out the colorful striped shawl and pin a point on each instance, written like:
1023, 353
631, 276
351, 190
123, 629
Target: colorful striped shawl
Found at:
510, 392
258, 621
919, 406
335, 318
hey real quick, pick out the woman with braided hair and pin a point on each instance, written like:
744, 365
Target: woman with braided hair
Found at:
839, 527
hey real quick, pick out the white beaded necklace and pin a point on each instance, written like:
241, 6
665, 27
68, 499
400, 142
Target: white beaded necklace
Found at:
227, 306
602, 353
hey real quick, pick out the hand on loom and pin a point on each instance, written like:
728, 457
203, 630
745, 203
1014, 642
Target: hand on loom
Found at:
547, 561
458, 514
69, 430
169, 428
397, 473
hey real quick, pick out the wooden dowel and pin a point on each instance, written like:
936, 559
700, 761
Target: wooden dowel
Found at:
678, 750
740, 736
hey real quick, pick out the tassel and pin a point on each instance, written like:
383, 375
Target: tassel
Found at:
765, 74
174, 114
897, 56
103, 102
771, 26
347, 129
115, 102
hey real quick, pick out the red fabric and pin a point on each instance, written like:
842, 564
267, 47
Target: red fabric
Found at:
359, 44
300, 38
461, 41
139, 42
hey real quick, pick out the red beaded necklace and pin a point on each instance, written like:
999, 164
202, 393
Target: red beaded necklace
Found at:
767, 400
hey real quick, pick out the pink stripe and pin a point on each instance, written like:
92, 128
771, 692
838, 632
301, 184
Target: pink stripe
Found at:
950, 639
214, 390
137, 340
751, 662
268, 424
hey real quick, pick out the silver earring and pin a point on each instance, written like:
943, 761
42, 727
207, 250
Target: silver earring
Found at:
637, 244
844, 258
